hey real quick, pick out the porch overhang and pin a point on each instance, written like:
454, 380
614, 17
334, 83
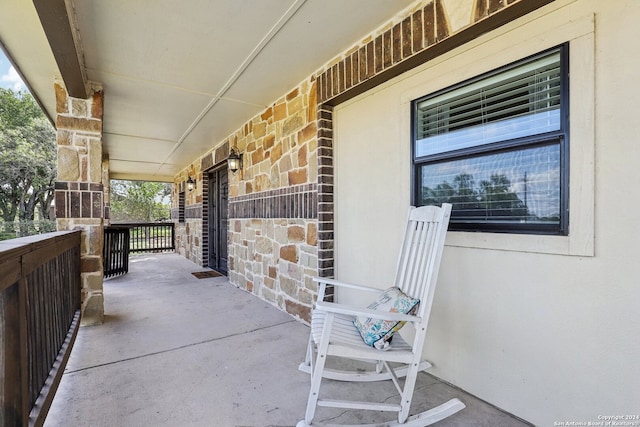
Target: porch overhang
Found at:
178, 79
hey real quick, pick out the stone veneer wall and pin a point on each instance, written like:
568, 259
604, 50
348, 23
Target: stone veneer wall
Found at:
273, 234
272, 203
277, 240
188, 234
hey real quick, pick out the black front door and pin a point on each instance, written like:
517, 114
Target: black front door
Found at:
218, 219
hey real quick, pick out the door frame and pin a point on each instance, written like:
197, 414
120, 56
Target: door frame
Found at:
209, 239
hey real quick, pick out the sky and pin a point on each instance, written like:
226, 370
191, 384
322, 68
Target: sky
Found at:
9, 78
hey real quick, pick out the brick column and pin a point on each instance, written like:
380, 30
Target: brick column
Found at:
325, 195
106, 182
79, 190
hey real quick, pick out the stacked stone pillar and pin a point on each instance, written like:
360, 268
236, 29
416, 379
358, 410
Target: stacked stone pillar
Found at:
79, 189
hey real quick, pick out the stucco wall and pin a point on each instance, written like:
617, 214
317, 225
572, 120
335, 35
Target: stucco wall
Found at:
544, 327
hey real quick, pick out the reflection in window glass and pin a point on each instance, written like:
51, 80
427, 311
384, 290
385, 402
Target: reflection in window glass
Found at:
510, 187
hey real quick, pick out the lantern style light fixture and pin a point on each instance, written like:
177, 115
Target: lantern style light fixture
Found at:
234, 160
191, 184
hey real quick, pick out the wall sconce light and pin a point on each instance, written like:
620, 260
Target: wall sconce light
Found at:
191, 184
235, 160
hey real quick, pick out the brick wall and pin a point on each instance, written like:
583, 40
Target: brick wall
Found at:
420, 33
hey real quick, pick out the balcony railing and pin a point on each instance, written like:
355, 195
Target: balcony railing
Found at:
122, 239
39, 319
151, 237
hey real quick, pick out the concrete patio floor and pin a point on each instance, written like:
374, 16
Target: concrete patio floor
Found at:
175, 350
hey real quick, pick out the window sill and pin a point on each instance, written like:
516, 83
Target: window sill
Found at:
534, 243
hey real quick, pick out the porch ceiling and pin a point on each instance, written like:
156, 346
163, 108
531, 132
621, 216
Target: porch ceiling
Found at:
179, 77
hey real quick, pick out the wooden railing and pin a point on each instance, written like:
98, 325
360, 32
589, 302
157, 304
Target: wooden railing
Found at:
39, 319
115, 252
151, 237
122, 239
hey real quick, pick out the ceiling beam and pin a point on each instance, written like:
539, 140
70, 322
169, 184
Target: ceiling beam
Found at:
60, 33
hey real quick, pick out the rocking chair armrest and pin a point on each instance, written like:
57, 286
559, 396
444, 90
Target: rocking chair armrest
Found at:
366, 312
335, 282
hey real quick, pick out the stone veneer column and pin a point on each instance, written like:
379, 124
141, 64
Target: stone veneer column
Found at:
79, 190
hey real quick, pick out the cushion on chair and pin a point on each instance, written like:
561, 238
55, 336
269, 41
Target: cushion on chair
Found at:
378, 332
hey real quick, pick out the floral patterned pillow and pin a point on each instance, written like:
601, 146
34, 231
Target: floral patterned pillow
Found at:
378, 332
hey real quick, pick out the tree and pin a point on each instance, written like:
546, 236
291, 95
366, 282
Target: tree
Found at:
498, 198
493, 197
466, 196
17, 109
138, 201
442, 193
27, 158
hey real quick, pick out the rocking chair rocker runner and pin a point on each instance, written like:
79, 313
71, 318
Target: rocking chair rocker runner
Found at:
333, 332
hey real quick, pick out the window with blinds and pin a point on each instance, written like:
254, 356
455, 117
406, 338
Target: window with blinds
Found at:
495, 148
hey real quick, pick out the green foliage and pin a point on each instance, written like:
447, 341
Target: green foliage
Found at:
17, 109
27, 158
138, 201
12, 230
492, 196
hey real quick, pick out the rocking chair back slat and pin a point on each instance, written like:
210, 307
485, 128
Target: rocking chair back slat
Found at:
420, 254
421, 259
413, 253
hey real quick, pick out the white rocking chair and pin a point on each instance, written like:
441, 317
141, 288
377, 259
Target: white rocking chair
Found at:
333, 332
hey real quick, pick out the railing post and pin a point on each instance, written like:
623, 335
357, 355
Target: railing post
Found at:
173, 236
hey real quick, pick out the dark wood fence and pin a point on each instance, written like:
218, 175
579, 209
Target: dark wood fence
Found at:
115, 251
122, 239
39, 319
152, 237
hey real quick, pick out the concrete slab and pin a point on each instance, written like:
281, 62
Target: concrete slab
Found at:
176, 350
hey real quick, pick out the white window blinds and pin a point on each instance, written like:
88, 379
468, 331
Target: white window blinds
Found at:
518, 102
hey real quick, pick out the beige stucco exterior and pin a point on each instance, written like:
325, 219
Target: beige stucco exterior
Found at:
543, 327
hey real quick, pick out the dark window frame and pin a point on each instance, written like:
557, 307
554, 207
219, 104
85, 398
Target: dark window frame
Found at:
560, 137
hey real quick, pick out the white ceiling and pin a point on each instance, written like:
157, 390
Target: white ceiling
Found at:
181, 76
